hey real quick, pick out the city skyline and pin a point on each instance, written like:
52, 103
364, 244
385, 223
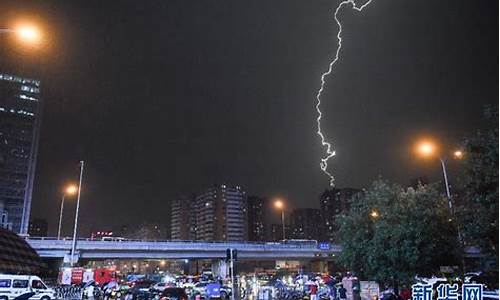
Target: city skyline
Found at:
173, 120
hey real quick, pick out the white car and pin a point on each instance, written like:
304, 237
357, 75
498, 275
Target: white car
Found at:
200, 288
12, 286
161, 286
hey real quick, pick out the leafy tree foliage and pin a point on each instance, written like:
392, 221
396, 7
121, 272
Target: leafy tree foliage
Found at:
478, 206
392, 232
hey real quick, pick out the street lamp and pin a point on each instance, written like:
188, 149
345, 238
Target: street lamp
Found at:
70, 190
429, 149
458, 154
426, 148
280, 205
374, 214
26, 33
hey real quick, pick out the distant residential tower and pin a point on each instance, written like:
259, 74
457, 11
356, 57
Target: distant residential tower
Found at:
221, 214
332, 203
306, 223
257, 218
183, 218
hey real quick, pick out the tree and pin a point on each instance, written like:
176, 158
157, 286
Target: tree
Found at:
391, 232
478, 206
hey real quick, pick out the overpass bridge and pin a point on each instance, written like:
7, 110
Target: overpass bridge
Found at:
141, 249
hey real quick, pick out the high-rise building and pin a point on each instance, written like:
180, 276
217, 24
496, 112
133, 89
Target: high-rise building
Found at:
276, 232
332, 203
20, 108
306, 223
257, 218
38, 227
221, 214
183, 218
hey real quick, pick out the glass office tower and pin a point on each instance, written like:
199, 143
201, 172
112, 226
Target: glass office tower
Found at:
20, 107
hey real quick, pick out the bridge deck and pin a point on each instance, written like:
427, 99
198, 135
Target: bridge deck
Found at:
50, 247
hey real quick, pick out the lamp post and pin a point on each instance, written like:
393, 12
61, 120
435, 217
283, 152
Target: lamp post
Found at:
73, 245
445, 175
279, 205
70, 190
428, 149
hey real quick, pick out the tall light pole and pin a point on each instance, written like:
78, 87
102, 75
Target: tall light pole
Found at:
429, 149
279, 205
70, 190
445, 175
73, 246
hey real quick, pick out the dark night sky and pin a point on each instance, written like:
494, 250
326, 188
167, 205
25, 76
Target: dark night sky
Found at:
167, 97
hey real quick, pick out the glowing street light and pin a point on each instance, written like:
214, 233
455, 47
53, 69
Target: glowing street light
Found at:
374, 214
69, 190
278, 203
428, 148
26, 33
458, 154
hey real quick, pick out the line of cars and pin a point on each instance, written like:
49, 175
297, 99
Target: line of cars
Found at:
145, 289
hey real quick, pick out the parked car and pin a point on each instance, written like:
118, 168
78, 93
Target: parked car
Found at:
12, 286
212, 290
225, 292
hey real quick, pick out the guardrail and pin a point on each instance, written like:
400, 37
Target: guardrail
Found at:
286, 242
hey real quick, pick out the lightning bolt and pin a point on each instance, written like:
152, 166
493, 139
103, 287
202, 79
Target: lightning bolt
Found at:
329, 149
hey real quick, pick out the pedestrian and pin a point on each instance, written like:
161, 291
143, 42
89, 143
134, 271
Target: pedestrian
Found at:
129, 296
90, 292
333, 292
313, 288
405, 293
342, 292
